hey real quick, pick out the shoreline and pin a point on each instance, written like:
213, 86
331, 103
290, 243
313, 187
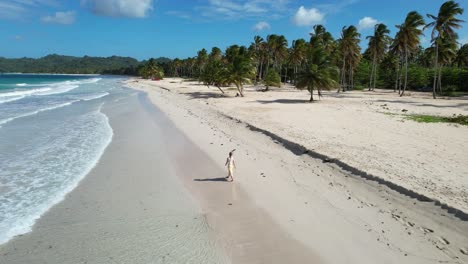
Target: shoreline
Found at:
390, 224
121, 207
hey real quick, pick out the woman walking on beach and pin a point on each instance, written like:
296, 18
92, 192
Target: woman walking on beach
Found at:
231, 165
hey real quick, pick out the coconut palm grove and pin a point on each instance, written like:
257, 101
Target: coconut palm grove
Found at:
320, 62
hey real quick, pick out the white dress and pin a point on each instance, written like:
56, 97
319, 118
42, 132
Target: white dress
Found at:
230, 164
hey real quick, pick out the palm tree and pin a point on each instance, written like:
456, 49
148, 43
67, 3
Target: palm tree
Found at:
378, 44
444, 25
257, 46
280, 52
408, 37
318, 73
202, 58
351, 53
240, 68
446, 55
321, 37
297, 55
215, 54
462, 56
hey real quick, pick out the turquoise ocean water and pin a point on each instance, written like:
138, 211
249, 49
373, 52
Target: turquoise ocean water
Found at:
52, 133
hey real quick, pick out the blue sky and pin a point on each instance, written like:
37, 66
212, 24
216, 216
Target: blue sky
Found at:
178, 28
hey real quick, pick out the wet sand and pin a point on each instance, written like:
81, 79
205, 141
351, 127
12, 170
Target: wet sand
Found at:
143, 203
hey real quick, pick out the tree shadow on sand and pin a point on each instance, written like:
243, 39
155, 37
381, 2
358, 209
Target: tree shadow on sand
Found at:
283, 101
205, 95
221, 179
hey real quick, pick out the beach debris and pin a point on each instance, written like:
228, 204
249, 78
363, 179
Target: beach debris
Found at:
464, 251
404, 110
229, 203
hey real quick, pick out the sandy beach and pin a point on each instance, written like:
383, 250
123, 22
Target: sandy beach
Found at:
158, 194
395, 218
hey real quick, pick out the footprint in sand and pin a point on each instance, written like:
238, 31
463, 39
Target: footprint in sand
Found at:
426, 230
444, 241
464, 251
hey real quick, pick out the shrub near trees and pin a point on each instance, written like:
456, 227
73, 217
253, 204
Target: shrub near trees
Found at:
397, 63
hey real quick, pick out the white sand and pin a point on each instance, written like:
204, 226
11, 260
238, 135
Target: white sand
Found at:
342, 218
430, 159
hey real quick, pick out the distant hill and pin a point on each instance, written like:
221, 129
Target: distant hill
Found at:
73, 65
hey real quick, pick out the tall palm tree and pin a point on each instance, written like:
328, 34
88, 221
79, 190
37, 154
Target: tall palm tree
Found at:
378, 44
351, 53
257, 46
444, 25
321, 37
318, 74
240, 68
297, 55
281, 52
202, 59
215, 54
446, 55
408, 37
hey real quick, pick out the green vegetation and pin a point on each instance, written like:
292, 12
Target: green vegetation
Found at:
398, 63
84, 65
71, 65
457, 119
272, 79
151, 70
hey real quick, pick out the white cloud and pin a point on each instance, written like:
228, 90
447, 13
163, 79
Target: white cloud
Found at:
367, 22
18, 9
262, 25
119, 8
237, 9
308, 17
64, 18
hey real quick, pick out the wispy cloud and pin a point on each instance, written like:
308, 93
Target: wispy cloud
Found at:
238, 9
262, 25
179, 14
367, 23
308, 17
17, 9
119, 8
63, 18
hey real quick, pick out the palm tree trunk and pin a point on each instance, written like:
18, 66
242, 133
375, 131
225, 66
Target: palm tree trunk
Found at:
397, 71
261, 69
311, 94
342, 81
220, 89
406, 70
440, 79
372, 73
435, 69
375, 75
286, 75
240, 88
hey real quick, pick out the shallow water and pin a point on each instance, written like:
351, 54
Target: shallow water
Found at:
52, 133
